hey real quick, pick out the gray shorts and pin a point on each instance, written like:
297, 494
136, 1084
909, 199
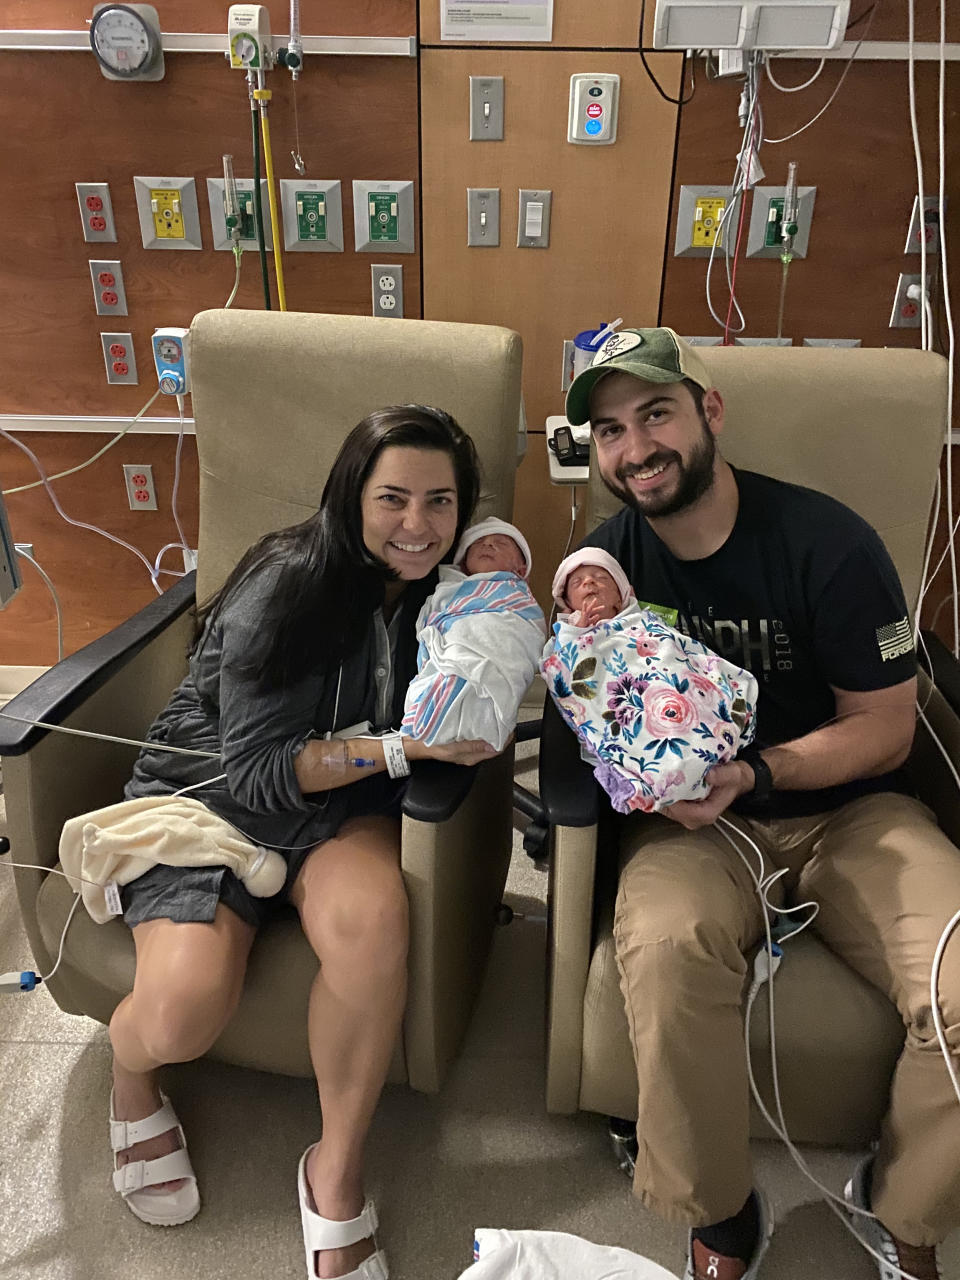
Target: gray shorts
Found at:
189, 895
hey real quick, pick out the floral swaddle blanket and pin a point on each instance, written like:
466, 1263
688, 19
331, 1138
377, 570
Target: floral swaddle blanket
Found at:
653, 709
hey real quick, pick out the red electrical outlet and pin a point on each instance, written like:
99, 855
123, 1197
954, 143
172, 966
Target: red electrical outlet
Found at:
108, 292
138, 479
119, 359
96, 211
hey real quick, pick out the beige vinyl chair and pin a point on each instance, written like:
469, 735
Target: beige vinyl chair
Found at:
867, 427
274, 395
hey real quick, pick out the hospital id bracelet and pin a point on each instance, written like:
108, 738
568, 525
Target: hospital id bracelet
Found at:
394, 756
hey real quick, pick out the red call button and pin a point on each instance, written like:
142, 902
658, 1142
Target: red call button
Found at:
594, 110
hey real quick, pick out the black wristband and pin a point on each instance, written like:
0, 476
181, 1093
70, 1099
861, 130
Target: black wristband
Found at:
762, 777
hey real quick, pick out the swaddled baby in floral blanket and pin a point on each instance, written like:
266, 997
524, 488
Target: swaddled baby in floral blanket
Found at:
654, 709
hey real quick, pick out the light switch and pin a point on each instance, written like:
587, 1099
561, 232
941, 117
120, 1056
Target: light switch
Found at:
486, 108
533, 223
483, 217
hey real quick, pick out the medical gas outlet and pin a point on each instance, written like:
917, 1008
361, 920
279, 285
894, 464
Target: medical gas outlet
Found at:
383, 216
594, 100
168, 213
312, 215
222, 237
248, 37
171, 356
700, 218
765, 239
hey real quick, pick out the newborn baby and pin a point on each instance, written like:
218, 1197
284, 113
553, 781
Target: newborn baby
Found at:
481, 634
654, 709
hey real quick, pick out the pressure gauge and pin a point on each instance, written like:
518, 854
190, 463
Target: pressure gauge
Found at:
126, 41
168, 350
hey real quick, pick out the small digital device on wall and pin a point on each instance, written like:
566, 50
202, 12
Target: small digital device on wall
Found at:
126, 41
570, 451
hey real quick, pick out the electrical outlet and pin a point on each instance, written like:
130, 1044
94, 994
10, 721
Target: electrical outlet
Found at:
109, 295
96, 212
10, 580
138, 478
387, 282
763, 342
705, 340
931, 225
906, 313
118, 357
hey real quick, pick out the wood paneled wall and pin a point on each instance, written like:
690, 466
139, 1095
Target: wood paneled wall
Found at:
613, 214
859, 156
179, 127
608, 222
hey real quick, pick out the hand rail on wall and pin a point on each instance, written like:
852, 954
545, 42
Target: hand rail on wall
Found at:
216, 42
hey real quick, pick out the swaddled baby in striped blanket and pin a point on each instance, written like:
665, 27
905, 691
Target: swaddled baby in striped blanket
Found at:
481, 634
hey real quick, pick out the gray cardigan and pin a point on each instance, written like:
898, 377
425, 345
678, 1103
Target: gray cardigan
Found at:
259, 734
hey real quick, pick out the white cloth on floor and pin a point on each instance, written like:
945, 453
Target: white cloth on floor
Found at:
554, 1255
124, 840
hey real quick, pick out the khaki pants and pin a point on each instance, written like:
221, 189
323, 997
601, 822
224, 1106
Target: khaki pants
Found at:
887, 881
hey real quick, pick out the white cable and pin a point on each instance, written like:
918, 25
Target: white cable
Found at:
35, 484
63, 939
912, 85
79, 524
935, 1001
24, 555
951, 336
792, 88
846, 70
752, 121
109, 737
237, 251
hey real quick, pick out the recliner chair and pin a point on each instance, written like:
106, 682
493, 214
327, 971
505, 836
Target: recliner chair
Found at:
867, 427
274, 395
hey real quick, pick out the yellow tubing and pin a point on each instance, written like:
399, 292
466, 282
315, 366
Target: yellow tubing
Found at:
263, 97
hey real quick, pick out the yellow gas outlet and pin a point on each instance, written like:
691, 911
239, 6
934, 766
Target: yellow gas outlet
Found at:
167, 209
706, 219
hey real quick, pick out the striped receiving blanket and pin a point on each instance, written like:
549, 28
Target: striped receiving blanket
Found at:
480, 643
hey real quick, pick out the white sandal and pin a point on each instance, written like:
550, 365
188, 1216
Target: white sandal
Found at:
136, 1181
327, 1233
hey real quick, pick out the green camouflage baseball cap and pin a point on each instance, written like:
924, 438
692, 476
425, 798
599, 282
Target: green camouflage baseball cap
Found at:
655, 355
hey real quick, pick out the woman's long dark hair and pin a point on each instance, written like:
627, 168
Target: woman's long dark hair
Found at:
329, 582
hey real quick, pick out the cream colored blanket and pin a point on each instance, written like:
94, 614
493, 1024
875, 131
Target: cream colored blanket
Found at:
122, 841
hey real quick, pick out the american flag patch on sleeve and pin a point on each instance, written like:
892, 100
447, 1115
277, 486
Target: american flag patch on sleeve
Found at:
895, 639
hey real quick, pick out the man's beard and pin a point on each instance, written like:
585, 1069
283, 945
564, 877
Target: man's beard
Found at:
696, 477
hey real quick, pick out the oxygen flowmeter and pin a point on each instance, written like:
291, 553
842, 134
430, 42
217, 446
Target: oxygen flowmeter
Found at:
171, 355
248, 37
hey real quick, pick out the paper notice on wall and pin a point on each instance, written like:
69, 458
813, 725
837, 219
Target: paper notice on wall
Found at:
500, 20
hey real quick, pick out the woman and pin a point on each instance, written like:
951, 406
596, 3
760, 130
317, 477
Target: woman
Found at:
312, 634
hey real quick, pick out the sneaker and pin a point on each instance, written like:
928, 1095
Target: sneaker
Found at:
623, 1136
917, 1261
704, 1264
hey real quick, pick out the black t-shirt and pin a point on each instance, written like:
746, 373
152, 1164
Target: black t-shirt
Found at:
803, 593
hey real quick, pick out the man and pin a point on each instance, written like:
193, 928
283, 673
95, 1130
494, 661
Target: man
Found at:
800, 590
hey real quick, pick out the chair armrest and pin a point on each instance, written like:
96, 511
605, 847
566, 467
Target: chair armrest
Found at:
437, 790
63, 688
943, 668
567, 786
